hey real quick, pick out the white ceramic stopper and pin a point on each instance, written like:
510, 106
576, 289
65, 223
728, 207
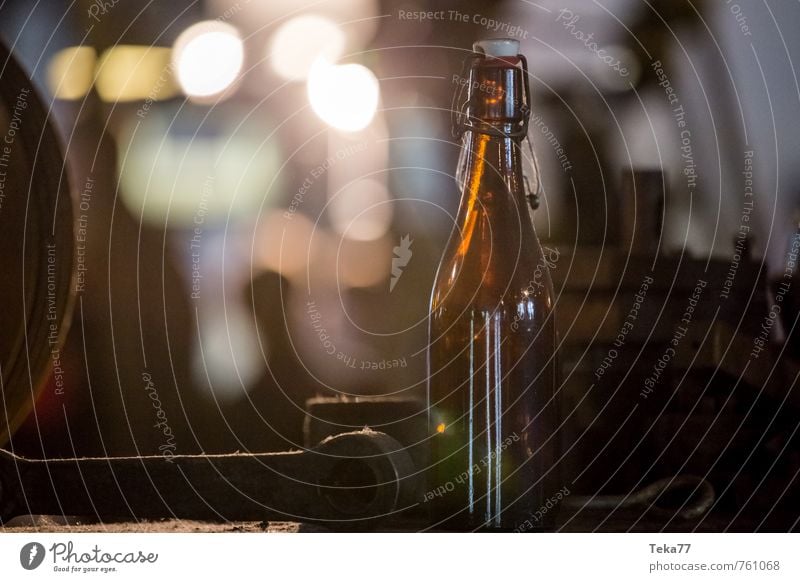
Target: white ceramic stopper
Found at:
497, 47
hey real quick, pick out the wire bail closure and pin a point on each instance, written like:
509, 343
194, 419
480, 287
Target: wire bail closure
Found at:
462, 122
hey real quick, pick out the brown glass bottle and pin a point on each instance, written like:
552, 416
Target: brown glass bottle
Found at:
492, 406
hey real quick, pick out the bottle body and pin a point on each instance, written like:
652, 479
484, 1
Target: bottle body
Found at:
493, 414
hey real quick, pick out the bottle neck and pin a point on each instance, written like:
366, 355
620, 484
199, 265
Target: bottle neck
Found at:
498, 97
494, 122
491, 168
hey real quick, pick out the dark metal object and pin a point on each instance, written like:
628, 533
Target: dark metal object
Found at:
403, 419
36, 239
348, 481
684, 496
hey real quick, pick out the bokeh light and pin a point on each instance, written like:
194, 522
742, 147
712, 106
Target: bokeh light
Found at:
70, 73
362, 263
343, 96
301, 42
361, 211
285, 246
135, 73
208, 57
167, 174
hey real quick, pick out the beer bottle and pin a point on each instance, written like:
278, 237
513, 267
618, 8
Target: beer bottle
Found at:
492, 411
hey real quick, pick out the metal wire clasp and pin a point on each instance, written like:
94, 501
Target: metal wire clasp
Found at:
461, 122
532, 193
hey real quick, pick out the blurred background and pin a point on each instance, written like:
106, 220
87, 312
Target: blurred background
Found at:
263, 189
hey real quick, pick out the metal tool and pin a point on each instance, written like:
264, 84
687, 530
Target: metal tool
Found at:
684, 496
348, 481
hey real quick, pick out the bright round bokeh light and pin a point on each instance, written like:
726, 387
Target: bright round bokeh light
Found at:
208, 57
303, 40
343, 96
361, 211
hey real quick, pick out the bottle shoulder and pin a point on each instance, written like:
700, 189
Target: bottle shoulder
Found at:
528, 290
481, 268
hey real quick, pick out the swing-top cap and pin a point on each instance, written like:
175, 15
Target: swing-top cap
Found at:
497, 47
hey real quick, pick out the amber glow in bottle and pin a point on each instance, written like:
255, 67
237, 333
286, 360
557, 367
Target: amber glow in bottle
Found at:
492, 413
